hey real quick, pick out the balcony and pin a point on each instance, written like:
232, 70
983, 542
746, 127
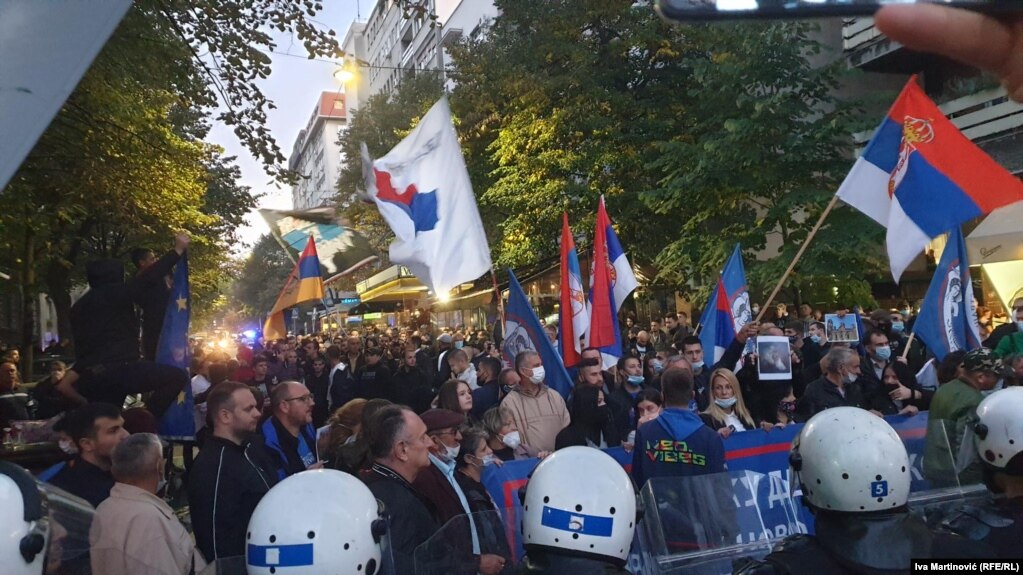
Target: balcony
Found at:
866, 48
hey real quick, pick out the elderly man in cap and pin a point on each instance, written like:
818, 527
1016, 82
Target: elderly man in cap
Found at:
952, 407
437, 483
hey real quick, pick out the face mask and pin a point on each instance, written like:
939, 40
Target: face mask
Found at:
849, 377
487, 460
657, 366
697, 365
450, 453
67, 446
459, 344
905, 312
815, 338
512, 440
787, 407
506, 389
641, 348
883, 353
756, 310
725, 403
636, 379
1019, 324
537, 377
161, 485
898, 326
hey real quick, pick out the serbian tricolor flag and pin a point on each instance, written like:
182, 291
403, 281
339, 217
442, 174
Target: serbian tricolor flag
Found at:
573, 320
304, 284
921, 177
728, 309
610, 284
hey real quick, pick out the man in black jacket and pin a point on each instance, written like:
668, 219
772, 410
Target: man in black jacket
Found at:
838, 386
230, 475
152, 293
400, 447
105, 329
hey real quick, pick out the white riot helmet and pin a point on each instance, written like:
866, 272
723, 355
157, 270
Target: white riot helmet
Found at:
24, 522
848, 459
320, 521
595, 516
998, 432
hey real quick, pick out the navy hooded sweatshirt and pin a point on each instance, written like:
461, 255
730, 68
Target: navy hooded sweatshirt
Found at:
675, 444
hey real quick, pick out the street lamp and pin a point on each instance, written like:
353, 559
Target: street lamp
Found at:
342, 75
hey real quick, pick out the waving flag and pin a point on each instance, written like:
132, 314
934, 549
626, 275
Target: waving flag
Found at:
610, 284
422, 190
947, 321
341, 250
728, 309
920, 177
304, 284
573, 321
522, 332
178, 422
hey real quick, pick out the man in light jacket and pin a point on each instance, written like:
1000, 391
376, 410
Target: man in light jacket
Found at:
134, 531
539, 412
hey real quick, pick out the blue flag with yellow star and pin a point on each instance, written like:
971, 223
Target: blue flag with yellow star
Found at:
178, 422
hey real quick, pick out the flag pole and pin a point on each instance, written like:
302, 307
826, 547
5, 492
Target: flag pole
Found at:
500, 301
909, 343
799, 254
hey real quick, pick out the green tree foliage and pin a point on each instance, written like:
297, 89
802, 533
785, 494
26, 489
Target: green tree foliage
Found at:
562, 102
764, 148
698, 136
123, 164
262, 277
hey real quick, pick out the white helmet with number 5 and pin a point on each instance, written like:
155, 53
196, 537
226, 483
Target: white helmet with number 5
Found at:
848, 459
580, 500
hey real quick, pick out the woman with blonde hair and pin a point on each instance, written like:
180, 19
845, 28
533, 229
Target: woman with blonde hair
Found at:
726, 411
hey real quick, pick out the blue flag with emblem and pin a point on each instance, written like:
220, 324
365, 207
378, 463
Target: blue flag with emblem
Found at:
178, 422
523, 332
947, 321
728, 309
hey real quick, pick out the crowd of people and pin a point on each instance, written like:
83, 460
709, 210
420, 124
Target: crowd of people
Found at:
417, 415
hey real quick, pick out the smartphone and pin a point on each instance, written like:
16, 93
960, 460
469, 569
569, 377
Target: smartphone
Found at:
697, 10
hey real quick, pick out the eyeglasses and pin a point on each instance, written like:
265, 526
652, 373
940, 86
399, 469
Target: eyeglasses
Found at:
307, 398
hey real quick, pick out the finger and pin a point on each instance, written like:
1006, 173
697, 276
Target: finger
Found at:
969, 37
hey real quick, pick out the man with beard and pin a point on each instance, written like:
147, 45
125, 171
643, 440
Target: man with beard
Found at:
230, 475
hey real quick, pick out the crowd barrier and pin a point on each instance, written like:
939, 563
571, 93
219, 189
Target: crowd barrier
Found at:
756, 450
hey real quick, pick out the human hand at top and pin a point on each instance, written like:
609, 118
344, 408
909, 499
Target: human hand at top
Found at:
989, 43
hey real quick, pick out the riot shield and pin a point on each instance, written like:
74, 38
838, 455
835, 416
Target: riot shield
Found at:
450, 551
700, 524
70, 520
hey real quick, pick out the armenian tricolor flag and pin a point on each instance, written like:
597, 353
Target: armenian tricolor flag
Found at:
304, 284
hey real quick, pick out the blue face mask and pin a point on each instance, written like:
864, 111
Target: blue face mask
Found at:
698, 365
459, 344
636, 379
898, 327
815, 338
883, 353
657, 366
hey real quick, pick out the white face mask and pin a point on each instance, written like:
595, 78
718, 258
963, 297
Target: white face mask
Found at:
161, 485
512, 440
486, 461
538, 375
451, 453
725, 403
849, 377
67, 446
